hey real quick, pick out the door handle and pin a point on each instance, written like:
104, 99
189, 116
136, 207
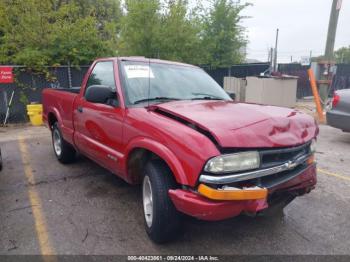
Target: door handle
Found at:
80, 109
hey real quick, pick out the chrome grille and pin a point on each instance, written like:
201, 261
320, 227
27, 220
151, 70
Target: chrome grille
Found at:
275, 157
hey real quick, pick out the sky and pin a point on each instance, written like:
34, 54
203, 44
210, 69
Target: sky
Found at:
303, 26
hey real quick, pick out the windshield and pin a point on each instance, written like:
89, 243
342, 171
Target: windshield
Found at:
155, 82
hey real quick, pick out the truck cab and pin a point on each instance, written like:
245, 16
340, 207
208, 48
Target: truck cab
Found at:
171, 128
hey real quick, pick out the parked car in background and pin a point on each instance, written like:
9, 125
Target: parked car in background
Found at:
170, 127
339, 114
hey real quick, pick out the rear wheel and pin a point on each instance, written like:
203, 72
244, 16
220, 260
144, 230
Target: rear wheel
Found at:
162, 220
64, 152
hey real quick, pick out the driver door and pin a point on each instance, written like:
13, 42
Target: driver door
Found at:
99, 127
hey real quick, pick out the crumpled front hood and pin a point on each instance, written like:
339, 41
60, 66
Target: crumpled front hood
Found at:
240, 125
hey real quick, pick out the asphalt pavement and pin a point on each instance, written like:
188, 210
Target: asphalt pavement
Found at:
82, 209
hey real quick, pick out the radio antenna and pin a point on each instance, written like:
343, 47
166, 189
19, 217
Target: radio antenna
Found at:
149, 81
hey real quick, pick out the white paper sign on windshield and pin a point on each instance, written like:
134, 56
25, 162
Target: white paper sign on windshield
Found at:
138, 71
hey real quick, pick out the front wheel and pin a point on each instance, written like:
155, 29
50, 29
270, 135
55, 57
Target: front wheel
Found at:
64, 152
162, 220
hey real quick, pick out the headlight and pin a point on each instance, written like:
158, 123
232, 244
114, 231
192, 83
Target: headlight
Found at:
233, 162
313, 146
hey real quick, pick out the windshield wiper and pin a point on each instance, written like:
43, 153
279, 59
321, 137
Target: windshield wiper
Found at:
205, 97
155, 99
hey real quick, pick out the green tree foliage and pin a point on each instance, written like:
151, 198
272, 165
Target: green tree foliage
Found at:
180, 34
107, 13
222, 34
140, 28
48, 32
76, 39
165, 30
342, 55
25, 32
38, 33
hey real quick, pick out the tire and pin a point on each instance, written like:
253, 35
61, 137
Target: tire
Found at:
65, 153
162, 220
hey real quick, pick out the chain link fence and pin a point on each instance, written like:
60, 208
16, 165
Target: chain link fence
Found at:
341, 78
28, 87
303, 85
239, 71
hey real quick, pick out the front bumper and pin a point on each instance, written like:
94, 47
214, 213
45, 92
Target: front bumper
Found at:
196, 205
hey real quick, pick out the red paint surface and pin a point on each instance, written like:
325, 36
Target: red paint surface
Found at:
6, 75
246, 125
306, 180
200, 207
108, 135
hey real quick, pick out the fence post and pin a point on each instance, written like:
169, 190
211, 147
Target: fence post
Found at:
69, 76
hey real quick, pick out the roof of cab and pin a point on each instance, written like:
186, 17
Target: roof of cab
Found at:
146, 60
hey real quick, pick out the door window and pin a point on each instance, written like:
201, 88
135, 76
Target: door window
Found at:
102, 74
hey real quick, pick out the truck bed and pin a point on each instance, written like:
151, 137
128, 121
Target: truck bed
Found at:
54, 100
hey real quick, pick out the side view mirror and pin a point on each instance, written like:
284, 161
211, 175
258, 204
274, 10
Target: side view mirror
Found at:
100, 94
232, 95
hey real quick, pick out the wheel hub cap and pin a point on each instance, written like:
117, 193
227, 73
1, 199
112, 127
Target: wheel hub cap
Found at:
147, 200
57, 142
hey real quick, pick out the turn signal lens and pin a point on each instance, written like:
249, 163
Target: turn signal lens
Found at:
311, 160
233, 193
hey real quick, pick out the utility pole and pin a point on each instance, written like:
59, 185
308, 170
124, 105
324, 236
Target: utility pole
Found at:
325, 65
271, 60
275, 56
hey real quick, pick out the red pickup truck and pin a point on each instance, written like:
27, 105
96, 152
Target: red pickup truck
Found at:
172, 128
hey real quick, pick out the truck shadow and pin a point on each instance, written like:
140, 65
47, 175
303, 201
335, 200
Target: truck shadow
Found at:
124, 203
194, 230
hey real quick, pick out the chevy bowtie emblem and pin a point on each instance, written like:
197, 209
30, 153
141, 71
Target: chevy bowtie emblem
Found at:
291, 164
